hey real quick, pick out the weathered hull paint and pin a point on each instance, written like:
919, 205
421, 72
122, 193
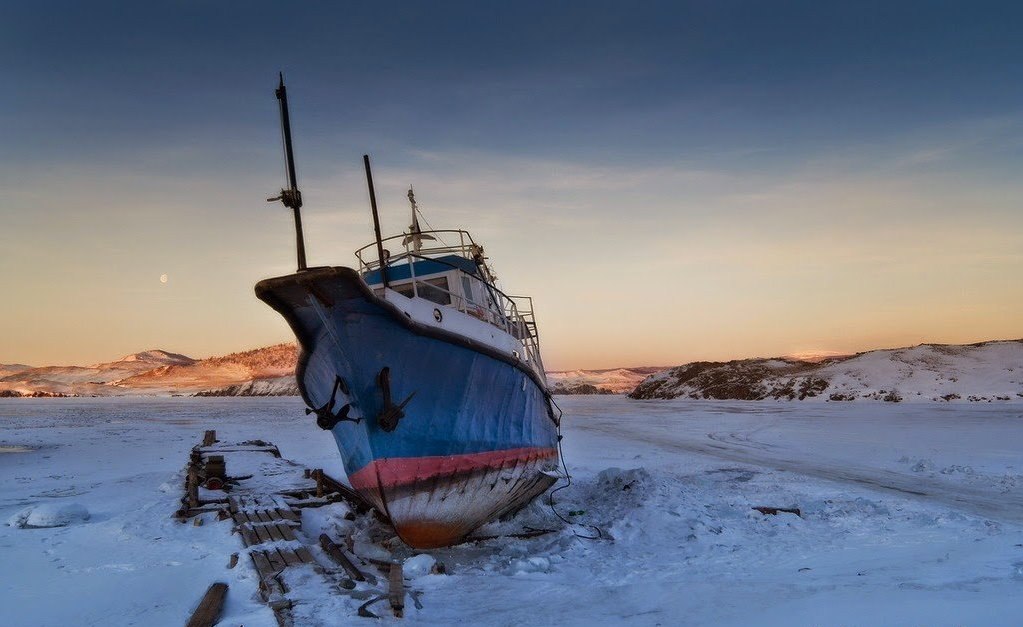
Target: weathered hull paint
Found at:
478, 438
437, 501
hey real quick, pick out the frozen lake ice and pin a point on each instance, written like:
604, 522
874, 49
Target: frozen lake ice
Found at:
911, 514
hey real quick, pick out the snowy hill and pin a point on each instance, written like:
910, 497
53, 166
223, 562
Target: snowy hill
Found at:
84, 380
986, 371
9, 369
273, 386
157, 373
611, 381
217, 374
150, 357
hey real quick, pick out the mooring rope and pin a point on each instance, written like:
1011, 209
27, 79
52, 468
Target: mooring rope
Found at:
568, 477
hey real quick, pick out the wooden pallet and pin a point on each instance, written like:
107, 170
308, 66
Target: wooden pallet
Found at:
267, 517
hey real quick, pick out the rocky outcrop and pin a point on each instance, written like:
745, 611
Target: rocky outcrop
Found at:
982, 372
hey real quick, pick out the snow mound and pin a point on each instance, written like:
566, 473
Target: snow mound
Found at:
49, 515
418, 566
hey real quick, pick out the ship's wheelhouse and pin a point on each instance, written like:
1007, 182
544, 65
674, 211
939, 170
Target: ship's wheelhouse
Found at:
453, 277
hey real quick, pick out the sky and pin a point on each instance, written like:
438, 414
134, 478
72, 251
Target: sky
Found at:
669, 181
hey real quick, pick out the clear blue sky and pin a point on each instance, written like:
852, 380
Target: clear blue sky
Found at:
749, 178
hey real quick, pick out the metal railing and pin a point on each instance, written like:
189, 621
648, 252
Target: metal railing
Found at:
512, 314
466, 247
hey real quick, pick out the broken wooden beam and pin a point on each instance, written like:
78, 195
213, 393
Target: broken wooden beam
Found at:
209, 438
193, 487
326, 483
334, 551
774, 511
208, 612
396, 590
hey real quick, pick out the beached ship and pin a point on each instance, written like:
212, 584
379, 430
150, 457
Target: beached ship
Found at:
428, 376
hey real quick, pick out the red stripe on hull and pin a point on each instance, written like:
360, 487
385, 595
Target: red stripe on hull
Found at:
437, 501
407, 470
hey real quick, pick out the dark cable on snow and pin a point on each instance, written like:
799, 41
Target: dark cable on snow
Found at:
568, 477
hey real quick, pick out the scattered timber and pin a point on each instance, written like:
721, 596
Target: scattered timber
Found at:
396, 590
335, 552
208, 612
265, 510
774, 511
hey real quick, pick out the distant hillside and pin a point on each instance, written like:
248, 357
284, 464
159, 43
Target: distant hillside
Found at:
95, 380
9, 369
217, 373
986, 371
152, 373
610, 381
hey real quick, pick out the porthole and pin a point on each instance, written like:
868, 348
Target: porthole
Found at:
437, 315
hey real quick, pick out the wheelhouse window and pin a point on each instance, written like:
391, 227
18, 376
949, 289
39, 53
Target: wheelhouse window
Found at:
435, 290
467, 290
405, 289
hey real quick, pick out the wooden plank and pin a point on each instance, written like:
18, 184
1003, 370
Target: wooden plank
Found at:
289, 556
275, 560
396, 589
361, 505
275, 533
249, 537
285, 531
264, 516
240, 448
193, 486
208, 612
261, 531
267, 575
263, 565
335, 553
288, 514
232, 502
774, 511
304, 555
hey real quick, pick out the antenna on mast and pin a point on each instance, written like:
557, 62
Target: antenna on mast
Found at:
291, 197
415, 234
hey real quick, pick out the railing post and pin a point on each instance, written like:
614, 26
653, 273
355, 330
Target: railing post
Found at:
412, 272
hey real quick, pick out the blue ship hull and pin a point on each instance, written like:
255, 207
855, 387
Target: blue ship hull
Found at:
478, 437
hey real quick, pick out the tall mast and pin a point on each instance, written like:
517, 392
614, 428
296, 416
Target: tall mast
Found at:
376, 222
291, 197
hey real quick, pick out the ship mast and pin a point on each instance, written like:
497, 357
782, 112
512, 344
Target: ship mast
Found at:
291, 197
415, 234
381, 253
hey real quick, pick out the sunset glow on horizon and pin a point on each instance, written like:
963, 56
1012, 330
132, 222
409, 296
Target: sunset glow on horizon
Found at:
669, 183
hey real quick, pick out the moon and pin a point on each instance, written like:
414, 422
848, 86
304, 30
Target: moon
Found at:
163, 278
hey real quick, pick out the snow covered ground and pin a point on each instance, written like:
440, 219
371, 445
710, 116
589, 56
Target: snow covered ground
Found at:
912, 514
